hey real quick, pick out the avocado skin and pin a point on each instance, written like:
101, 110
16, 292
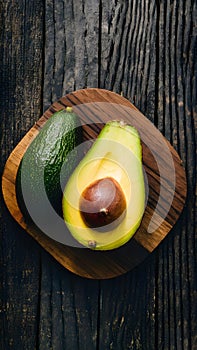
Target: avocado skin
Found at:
47, 154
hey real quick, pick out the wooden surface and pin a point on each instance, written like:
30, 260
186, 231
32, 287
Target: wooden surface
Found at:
146, 50
165, 194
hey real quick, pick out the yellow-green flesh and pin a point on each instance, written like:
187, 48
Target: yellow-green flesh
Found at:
116, 153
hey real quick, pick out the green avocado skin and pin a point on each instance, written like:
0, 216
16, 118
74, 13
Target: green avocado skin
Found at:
53, 151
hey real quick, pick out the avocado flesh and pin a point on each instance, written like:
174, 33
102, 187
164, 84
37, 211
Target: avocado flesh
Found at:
116, 153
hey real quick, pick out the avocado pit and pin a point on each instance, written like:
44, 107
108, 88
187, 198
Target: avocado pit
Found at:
102, 203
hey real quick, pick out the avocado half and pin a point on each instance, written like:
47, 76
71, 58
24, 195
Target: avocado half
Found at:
113, 211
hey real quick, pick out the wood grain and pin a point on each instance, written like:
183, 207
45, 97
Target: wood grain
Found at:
21, 52
95, 107
147, 51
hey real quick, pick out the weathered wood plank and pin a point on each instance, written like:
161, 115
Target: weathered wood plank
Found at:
68, 309
176, 115
20, 98
71, 47
128, 55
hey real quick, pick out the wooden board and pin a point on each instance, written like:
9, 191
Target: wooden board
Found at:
164, 176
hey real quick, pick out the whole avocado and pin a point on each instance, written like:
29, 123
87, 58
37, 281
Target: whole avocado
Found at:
51, 155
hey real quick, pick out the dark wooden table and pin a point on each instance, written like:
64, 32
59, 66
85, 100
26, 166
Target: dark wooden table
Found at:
145, 50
